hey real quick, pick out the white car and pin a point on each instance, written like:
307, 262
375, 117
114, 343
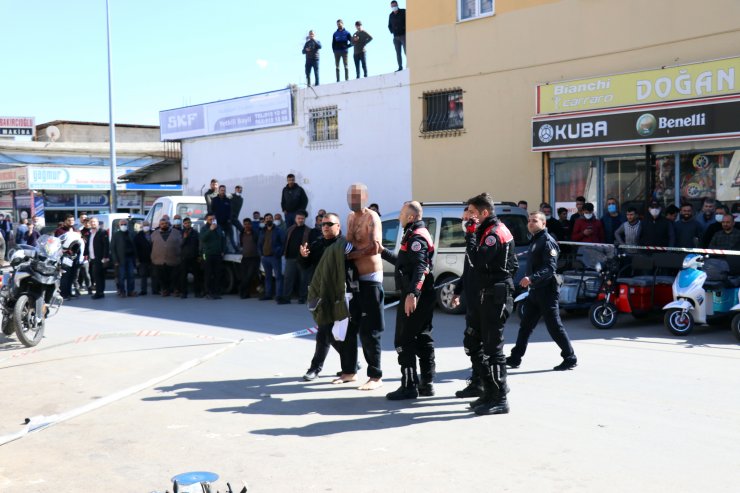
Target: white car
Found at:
192, 206
443, 220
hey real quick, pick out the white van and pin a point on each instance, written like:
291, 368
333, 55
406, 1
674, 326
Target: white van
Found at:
111, 222
192, 206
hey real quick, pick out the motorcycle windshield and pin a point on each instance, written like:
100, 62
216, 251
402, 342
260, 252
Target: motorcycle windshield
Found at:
591, 255
49, 247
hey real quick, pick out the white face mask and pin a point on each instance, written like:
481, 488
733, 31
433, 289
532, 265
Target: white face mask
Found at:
655, 212
145, 229
177, 222
123, 228
277, 223
718, 217
394, 9
548, 216
238, 194
588, 216
262, 225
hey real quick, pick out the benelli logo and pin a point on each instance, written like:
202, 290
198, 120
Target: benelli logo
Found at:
572, 131
695, 120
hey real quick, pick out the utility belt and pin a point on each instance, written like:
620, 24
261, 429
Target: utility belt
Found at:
499, 293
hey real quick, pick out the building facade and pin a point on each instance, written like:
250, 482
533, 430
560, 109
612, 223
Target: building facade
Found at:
505, 60
329, 136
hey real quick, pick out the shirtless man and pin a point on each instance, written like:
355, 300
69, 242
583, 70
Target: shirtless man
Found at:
364, 232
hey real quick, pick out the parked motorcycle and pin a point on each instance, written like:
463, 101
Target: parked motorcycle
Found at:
30, 288
703, 292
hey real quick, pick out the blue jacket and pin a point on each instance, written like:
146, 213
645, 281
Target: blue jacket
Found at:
341, 41
278, 242
611, 224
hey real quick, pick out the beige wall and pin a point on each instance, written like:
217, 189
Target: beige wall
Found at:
499, 60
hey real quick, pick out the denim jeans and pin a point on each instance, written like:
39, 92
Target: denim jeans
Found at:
360, 58
127, 276
312, 64
273, 265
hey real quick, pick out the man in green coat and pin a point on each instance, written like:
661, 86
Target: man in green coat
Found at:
212, 244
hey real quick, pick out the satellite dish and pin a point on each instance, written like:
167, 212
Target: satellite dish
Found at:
53, 133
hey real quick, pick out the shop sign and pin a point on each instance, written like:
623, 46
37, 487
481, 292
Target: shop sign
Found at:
6, 201
93, 200
38, 206
698, 80
68, 178
13, 179
128, 200
270, 109
638, 126
60, 201
17, 125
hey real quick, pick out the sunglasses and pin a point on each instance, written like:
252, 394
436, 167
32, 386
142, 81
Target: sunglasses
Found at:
328, 225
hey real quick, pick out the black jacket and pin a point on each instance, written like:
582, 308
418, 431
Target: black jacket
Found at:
294, 199
397, 22
190, 245
221, 208
313, 46
237, 201
542, 259
656, 232
555, 229
143, 247
122, 247
100, 245
414, 261
491, 251
209, 198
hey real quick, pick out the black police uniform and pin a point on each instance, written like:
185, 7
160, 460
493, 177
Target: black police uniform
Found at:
490, 249
543, 301
413, 337
472, 344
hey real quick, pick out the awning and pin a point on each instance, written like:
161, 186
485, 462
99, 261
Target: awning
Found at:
17, 159
165, 171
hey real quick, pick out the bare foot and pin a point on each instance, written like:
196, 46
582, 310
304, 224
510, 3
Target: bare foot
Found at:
344, 378
371, 384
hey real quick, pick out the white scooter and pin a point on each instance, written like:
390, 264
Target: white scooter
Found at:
699, 299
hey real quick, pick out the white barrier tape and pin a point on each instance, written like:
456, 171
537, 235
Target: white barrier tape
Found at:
710, 251
38, 423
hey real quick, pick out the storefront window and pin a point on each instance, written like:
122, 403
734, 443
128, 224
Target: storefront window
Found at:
664, 190
575, 177
709, 175
625, 180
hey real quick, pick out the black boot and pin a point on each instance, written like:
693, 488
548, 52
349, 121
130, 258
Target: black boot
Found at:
337, 75
426, 388
496, 389
409, 388
346, 73
474, 388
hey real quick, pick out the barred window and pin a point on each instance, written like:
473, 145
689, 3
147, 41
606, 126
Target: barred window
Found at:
323, 124
471, 9
443, 110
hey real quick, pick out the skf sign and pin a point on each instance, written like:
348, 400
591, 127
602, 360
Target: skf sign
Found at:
189, 121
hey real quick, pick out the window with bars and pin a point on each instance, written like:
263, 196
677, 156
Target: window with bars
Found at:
323, 124
471, 9
443, 110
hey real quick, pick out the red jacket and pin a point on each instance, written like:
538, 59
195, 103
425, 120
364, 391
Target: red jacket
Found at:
597, 230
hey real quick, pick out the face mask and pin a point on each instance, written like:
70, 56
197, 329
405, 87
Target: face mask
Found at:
718, 218
277, 222
548, 216
146, 229
394, 9
612, 208
124, 228
215, 222
654, 212
268, 223
238, 194
262, 225
177, 222
588, 216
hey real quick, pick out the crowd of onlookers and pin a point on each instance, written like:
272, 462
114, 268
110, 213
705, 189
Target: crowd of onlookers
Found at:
163, 258
714, 226
342, 40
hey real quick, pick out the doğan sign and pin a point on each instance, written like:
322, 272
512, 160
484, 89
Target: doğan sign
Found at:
699, 80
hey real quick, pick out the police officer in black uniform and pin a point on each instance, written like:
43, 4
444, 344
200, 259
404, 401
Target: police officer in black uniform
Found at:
465, 287
490, 249
543, 296
415, 280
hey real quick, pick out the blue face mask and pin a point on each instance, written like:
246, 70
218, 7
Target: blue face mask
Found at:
612, 208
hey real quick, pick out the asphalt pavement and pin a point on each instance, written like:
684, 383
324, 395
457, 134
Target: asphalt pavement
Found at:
127, 393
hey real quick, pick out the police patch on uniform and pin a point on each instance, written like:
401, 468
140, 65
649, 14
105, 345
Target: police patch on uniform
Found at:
553, 253
490, 240
416, 246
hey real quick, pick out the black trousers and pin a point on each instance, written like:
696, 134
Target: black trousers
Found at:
191, 266
213, 266
98, 275
250, 267
489, 315
543, 302
145, 272
166, 279
325, 340
366, 319
413, 336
